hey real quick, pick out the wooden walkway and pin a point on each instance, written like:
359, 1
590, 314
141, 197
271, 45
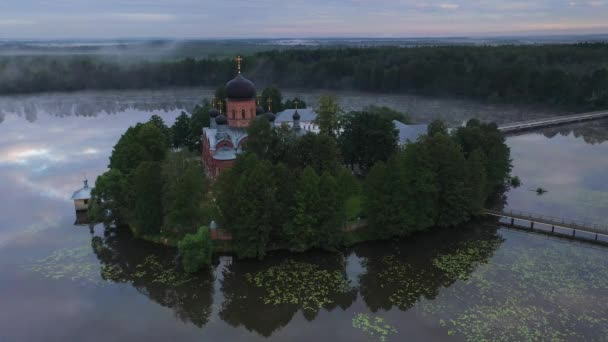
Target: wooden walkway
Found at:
553, 222
554, 121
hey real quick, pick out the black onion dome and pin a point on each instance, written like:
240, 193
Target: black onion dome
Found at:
221, 120
214, 112
240, 88
271, 116
296, 115
259, 110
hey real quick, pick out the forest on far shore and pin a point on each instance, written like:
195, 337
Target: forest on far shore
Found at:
573, 77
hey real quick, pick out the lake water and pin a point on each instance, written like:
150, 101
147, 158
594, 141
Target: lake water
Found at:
61, 282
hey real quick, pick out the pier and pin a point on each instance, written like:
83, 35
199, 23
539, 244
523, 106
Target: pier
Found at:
549, 122
554, 225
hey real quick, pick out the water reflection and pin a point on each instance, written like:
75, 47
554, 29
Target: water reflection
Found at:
152, 271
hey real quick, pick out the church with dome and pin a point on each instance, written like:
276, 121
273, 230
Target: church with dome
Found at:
226, 136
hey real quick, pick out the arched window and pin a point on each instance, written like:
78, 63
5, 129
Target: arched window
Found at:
243, 114
234, 114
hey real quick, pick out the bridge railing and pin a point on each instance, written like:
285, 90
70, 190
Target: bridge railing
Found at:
554, 119
558, 221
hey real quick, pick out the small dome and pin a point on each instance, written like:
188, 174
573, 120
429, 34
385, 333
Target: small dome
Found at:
271, 116
240, 88
221, 120
214, 112
259, 110
296, 115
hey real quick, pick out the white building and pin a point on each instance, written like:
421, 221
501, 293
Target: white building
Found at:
307, 118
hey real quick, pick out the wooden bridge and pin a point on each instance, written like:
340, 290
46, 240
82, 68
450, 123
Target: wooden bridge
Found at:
554, 121
591, 231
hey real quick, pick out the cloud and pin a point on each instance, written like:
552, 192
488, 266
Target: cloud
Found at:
143, 17
15, 22
449, 6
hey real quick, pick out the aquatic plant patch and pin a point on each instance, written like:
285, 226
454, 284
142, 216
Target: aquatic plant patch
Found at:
303, 284
376, 326
68, 263
461, 263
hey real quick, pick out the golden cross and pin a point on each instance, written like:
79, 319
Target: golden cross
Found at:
238, 63
221, 105
213, 102
269, 101
296, 103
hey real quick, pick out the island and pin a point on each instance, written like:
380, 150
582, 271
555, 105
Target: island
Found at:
233, 178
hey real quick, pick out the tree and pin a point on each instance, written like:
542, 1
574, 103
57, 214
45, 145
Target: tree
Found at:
303, 231
147, 187
142, 142
447, 163
185, 194
246, 196
200, 119
110, 200
329, 115
497, 154
366, 139
437, 127
196, 250
294, 103
331, 213
475, 182
182, 132
315, 150
260, 138
160, 124
274, 94
389, 113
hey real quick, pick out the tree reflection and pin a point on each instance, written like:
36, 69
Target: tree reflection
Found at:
420, 266
152, 271
253, 306
94, 104
592, 132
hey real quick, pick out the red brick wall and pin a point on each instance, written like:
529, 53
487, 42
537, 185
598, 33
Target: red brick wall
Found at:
235, 109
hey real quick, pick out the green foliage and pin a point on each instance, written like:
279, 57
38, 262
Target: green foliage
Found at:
367, 138
318, 151
142, 142
515, 182
185, 193
200, 118
246, 197
291, 103
160, 124
147, 184
437, 127
261, 137
196, 250
491, 142
182, 131
110, 198
274, 94
329, 115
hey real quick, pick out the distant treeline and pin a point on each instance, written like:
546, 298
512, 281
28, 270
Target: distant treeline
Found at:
570, 76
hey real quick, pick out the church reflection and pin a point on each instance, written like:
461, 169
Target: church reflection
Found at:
383, 275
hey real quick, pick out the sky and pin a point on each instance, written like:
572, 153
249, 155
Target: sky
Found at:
59, 19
